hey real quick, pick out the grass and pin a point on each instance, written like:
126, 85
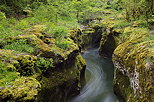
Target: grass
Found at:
20, 46
7, 29
122, 24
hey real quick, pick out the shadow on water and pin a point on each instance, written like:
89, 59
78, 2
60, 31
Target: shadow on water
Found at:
99, 77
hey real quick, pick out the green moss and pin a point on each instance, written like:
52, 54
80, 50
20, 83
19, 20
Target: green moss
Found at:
22, 89
19, 65
26, 65
133, 58
80, 62
62, 52
7, 69
86, 37
68, 77
121, 83
44, 64
133, 54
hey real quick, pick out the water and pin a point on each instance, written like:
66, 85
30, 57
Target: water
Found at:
99, 76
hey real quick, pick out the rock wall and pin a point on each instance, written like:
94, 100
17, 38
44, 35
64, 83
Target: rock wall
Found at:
64, 82
48, 74
133, 58
134, 63
87, 36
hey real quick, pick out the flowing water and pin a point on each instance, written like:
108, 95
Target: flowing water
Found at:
99, 76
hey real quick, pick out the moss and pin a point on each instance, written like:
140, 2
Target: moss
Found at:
26, 65
39, 64
75, 35
44, 64
60, 80
63, 53
7, 69
121, 83
87, 36
134, 53
37, 29
73, 72
86, 39
23, 89
80, 62
132, 57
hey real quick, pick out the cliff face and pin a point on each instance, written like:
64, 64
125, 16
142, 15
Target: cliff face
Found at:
64, 82
40, 72
132, 53
135, 60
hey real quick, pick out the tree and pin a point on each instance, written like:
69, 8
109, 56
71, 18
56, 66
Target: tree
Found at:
137, 8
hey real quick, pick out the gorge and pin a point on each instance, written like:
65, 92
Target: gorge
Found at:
76, 51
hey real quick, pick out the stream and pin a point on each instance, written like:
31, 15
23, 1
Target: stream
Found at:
99, 77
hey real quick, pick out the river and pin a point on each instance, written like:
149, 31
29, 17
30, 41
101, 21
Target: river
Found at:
99, 77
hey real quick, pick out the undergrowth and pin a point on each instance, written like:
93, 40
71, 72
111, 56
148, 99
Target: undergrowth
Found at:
21, 46
7, 75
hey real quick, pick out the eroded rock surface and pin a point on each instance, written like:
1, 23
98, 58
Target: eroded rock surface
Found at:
43, 71
133, 57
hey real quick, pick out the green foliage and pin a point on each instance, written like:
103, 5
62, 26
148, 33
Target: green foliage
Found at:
7, 28
16, 7
2, 16
60, 31
45, 13
122, 24
62, 43
57, 31
143, 23
149, 37
20, 45
7, 75
85, 9
137, 8
43, 64
22, 25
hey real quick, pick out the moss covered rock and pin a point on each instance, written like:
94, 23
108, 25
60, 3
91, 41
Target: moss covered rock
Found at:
134, 59
131, 47
53, 66
87, 36
21, 90
60, 85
